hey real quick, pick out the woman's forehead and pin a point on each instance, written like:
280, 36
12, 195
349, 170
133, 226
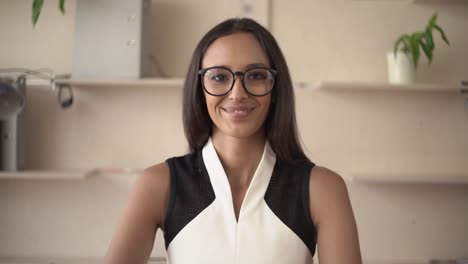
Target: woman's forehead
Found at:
238, 50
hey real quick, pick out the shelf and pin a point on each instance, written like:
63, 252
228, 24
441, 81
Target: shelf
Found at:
65, 174
417, 1
359, 177
387, 87
388, 178
69, 260
441, 1
43, 175
322, 85
110, 83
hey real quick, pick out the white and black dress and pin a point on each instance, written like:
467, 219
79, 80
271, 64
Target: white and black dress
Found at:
274, 224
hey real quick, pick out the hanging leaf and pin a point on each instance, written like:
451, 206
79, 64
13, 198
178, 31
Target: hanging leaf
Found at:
432, 22
36, 10
415, 42
403, 40
429, 40
438, 28
62, 6
427, 50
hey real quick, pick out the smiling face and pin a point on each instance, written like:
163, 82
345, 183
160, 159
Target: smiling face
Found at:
237, 113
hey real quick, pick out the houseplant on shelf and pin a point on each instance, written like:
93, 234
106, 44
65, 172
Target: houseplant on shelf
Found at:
403, 60
37, 8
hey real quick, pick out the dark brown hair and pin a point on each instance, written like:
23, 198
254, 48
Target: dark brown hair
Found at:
280, 124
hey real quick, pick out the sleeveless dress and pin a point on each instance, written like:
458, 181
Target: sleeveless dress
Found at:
274, 223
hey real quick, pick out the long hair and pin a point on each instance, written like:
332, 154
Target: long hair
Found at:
280, 124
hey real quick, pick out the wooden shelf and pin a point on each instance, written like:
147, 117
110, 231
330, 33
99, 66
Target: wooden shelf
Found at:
441, 1
110, 83
322, 85
65, 174
69, 260
43, 175
144, 82
389, 178
387, 87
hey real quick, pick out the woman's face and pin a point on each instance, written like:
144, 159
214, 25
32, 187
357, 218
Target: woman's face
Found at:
237, 113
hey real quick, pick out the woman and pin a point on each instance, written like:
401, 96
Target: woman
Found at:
246, 192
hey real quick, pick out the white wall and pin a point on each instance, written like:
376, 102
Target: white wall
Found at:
49, 45
347, 39
136, 127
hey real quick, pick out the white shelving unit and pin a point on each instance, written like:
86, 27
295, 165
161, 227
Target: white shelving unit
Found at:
69, 260
65, 174
163, 83
387, 87
374, 177
43, 175
440, 1
111, 83
389, 178
381, 175
321, 85
145, 82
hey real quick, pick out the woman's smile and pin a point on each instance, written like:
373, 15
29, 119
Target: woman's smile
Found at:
237, 112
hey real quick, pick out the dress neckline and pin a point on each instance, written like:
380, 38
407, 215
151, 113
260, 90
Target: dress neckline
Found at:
257, 187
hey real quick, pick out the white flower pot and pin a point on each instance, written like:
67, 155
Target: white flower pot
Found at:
401, 68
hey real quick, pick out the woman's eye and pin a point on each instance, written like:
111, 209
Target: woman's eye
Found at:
218, 77
257, 76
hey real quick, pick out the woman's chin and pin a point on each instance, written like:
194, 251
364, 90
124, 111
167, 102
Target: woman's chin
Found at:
240, 132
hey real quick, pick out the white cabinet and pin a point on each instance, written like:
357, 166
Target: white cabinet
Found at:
108, 38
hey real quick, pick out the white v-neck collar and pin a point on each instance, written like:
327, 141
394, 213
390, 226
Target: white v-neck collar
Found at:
258, 185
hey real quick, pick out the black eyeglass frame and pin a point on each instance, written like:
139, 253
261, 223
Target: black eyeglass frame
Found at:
235, 74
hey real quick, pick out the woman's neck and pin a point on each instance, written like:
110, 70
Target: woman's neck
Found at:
240, 156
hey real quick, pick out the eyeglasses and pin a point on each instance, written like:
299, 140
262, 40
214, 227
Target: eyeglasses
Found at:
219, 81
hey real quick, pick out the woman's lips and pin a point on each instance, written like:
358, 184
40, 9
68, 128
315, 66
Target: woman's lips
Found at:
237, 111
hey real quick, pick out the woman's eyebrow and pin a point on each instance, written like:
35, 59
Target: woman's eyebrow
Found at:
256, 65
251, 65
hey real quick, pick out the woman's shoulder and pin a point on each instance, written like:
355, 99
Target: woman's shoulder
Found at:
325, 178
141, 217
333, 217
157, 176
156, 171
155, 184
328, 193
152, 191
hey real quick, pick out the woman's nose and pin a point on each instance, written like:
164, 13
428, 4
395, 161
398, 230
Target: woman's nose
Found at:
238, 91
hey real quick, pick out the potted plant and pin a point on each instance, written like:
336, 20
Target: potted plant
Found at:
37, 7
403, 61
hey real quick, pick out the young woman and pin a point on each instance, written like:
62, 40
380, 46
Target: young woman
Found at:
246, 192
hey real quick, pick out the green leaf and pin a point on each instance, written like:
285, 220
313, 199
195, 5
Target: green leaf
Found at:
62, 6
438, 28
428, 38
432, 22
427, 50
402, 40
36, 10
415, 40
